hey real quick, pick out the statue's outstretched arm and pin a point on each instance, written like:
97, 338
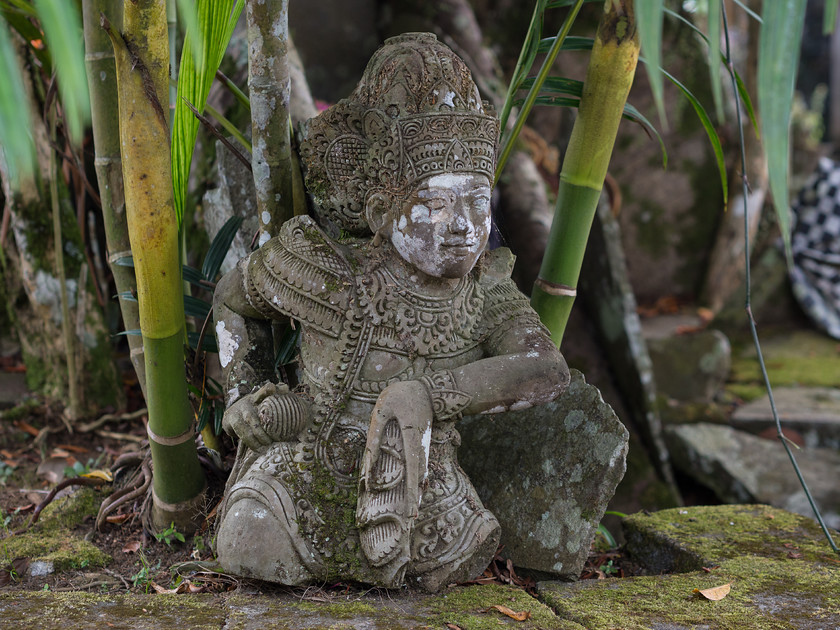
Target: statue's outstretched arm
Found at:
524, 369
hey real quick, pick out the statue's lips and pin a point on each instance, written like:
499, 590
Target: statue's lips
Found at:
459, 245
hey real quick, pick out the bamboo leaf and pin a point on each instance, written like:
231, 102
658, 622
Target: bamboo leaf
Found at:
748, 11
714, 57
526, 59
571, 43
742, 90
208, 344
19, 20
778, 58
548, 62
830, 16
16, 145
63, 32
193, 276
557, 85
710, 131
649, 22
557, 4
219, 248
194, 307
188, 15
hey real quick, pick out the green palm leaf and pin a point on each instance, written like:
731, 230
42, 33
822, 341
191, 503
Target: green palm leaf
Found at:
15, 140
778, 58
216, 20
649, 22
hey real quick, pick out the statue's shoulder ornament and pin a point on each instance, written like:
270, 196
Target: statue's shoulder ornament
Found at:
303, 274
505, 305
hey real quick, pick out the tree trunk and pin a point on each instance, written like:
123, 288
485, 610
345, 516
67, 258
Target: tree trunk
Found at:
268, 84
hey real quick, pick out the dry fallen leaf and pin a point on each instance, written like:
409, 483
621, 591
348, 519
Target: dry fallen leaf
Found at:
452, 626
519, 616
105, 475
715, 594
132, 547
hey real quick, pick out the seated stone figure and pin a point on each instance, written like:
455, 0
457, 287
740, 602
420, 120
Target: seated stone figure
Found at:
406, 324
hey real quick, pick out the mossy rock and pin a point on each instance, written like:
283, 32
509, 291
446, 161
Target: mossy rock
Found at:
780, 569
52, 539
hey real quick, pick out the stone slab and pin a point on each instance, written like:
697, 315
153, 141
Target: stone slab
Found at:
692, 367
740, 467
547, 473
814, 412
780, 569
13, 389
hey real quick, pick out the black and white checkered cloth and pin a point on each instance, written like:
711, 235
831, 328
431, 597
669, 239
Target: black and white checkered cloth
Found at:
815, 244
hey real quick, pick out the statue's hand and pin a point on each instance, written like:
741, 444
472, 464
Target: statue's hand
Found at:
402, 400
242, 418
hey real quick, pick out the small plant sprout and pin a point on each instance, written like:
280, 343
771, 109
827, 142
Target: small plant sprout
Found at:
169, 535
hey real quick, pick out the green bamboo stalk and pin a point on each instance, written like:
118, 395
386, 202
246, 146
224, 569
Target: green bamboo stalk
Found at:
102, 83
612, 67
142, 61
268, 83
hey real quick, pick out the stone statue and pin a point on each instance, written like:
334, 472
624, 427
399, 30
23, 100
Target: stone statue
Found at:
407, 323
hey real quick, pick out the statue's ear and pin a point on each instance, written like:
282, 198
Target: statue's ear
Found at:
377, 207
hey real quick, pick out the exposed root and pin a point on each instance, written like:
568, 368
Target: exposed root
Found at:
137, 485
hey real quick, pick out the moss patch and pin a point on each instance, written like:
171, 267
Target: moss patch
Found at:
706, 535
471, 608
51, 539
765, 594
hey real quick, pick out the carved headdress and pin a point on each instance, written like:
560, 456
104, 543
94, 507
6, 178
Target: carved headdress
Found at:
415, 113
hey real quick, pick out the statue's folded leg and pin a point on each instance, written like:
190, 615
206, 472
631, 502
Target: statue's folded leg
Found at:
259, 535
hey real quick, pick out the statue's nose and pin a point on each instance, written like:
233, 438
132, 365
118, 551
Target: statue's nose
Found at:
460, 223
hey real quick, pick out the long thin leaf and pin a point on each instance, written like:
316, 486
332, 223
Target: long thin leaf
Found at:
187, 13
548, 62
16, 143
649, 22
557, 4
714, 57
194, 307
208, 344
710, 131
526, 59
778, 59
216, 20
557, 85
193, 276
748, 11
219, 248
63, 32
19, 21
830, 16
571, 42
742, 90
573, 100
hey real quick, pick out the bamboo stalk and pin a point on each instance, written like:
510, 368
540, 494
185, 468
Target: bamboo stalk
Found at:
610, 74
268, 83
142, 61
102, 83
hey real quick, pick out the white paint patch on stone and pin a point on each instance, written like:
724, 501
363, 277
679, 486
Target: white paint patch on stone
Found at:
419, 214
266, 217
233, 395
403, 222
260, 514
449, 99
264, 238
228, 343
533, 354
498, 409
426, 441
520, 404
378, 367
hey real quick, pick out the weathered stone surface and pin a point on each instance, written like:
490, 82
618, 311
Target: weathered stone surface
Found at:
234, 196
545, 477
691, 367
781, 571
740, 467
814, 412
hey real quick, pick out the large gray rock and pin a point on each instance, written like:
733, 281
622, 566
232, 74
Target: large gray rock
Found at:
814, 412
547, 474
742, 468
691, 367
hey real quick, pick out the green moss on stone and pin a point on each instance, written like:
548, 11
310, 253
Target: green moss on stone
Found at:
52, 539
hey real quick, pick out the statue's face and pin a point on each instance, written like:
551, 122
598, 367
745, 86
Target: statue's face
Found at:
444, 224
